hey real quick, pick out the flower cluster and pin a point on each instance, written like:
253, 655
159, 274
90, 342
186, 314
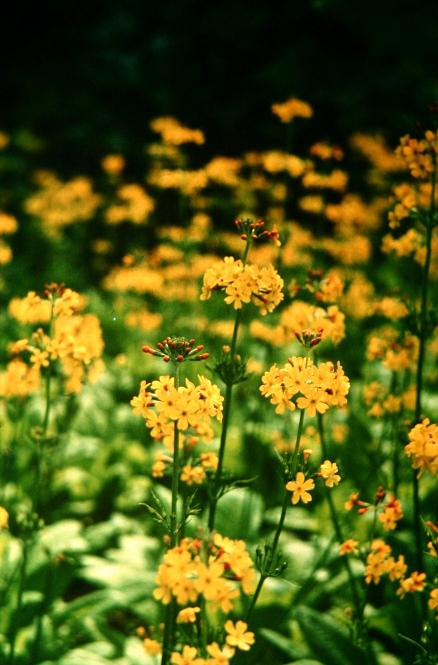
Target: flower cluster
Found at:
391, 512
73, 340
244, 283
133, 205
59, 204
174, 133
292, 108
379, 562
302, 384
216, 576
191, 407
419, 155
236, 636
423, 447
303, 316
177, 349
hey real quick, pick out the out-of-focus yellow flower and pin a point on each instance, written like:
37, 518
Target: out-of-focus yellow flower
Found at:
151, 647
188, 615
59, 204
133, 205
113, 164
292, 108
8, 224
173, 132
4, 140
4, 518
423, 447
238, 636
415, 582
329, 471
349, 546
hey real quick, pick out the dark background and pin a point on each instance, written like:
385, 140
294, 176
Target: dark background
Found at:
87, 77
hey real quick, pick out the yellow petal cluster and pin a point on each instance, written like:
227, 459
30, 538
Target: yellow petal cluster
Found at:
243, 284
300, 383
423, 447
189, 577
191, 407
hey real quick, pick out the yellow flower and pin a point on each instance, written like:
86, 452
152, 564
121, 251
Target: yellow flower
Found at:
192, 475
299, 487
4, 518
152, 647
292, 108
328, 471
423, 447
188, 615
113, 164
433, 599
238, 636
415, 582
188, 657
220, 656
349, 546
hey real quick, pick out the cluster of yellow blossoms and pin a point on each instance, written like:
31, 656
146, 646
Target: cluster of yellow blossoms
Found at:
133, 205
381, 400
237, 637
8, 225
423, 447
394, 351
217, 577
194, 473
75, 340
191, 407
292, 108
174, 133
243, 283
300, 383
301, 485
59, 204
419, 155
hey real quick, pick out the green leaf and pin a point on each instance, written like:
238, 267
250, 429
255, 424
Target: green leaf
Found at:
239, 514
281, 642
328, 638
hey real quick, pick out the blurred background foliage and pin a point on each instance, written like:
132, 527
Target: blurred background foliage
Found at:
86, 78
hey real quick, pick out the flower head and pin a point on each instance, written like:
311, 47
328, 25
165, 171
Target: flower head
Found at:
299, 488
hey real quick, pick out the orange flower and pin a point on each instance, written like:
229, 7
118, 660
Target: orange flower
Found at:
299, 487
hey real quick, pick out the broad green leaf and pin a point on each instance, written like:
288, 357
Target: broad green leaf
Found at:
102, 572
64, 536
239, 514
281, 642
328, 638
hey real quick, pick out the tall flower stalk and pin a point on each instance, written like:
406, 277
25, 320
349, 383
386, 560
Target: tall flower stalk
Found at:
242, 284
299, 384
170, 411
423, 333
270, 564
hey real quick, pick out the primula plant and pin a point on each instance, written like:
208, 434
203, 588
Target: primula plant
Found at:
219, 440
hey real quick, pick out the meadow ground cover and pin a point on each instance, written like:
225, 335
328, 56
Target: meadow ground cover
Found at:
219, 439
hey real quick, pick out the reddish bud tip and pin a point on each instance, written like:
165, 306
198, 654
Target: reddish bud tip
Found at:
180, 358
166, 359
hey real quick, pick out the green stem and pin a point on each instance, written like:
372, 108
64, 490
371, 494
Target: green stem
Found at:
17, 613
218, 475
337, 526
286, 500
169, 625
43, 610
420, 366
226, 412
